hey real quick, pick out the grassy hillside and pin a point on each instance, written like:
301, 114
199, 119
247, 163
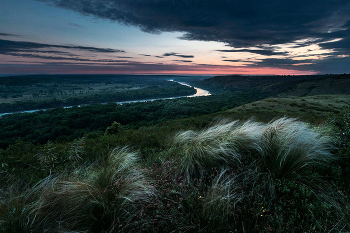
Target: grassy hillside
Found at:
331, 85
198, 174
313, 109
299, 85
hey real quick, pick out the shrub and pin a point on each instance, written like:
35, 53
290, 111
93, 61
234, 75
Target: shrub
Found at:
114, 128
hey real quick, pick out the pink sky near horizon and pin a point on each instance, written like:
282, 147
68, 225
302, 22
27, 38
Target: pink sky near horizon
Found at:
190, 70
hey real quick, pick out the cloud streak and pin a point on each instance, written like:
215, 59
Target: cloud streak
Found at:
177, 55
10, 46
75, 25
263, 52
7, 34
66, 58
183, 61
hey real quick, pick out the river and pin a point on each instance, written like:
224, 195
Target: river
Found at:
200, 92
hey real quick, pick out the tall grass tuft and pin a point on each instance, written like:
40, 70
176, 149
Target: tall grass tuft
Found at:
292, 146
243, 140
202, 150
259, 163
221, 197
291, 149
16, 203
105, 200
219, 145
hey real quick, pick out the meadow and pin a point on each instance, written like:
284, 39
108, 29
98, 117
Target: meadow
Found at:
252, 163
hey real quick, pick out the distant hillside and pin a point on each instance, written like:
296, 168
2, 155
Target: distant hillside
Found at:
339, 84
314, 109
301, 85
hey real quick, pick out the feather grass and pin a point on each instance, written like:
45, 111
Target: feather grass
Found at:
202, 150
104, 200
219, 145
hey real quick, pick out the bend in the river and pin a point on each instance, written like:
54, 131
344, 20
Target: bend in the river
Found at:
200, 92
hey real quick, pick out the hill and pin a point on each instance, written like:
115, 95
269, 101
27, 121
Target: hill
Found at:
300, 85
242, 177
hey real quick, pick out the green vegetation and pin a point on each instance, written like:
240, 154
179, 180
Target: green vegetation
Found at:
222, 163
114, 128
229, 177
68, 124
99, 93
281, 85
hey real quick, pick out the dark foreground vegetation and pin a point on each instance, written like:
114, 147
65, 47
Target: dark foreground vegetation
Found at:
227, 176
184, 165
230, 177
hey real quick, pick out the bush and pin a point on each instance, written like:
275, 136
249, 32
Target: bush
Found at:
114, 128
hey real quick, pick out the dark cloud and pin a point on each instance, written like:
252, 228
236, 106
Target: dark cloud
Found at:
123, 57
65, 58
70, 68
238, 23
7, 34
159, 56
177, 55
256, 51
182, 60
146, 55
333, 65
10, 46
75, 25
233, 60
286, 63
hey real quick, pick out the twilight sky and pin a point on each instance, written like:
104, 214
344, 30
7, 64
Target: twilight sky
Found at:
174, 36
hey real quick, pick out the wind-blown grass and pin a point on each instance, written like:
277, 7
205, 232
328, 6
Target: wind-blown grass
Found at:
16, 203
219, 145
291, 146
282, 147
106, 199
290, 149
260, 162
202, 150
230, 177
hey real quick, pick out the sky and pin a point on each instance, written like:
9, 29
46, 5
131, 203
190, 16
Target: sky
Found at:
200, 37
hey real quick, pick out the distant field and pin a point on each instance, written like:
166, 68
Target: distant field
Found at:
313, 109
18, 93
44, 91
